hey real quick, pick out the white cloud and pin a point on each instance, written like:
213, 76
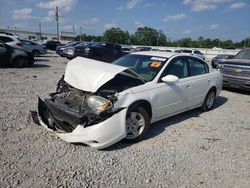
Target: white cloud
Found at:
23, 14
133, 3
189, 31
213, 26
175, 17
109, 25
130, 5
148, 5
50, 16
203, 5
65, 5
139, 24
120, 8
92, 21
237, 5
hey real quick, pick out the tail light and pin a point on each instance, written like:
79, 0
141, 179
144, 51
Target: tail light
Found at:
19, 44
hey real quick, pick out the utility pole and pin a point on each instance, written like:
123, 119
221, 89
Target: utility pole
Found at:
57, 22
80, 33
40, 30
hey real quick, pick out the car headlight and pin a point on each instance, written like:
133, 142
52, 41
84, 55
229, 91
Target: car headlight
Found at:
99, 104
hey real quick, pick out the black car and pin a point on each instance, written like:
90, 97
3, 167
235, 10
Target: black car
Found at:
15, 57
236, 71
101, 51
68, 52
52, 44
59, 49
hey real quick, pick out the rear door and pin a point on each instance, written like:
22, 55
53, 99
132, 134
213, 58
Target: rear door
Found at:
200, 80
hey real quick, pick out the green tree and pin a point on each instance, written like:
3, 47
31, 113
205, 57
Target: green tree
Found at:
116, 35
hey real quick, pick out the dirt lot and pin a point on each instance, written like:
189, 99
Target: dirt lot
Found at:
193, 149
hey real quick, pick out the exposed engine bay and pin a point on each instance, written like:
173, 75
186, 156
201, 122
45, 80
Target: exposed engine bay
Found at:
68, 106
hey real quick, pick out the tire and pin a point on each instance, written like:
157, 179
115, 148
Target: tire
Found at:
209, 101
35, 53
20, 62
137, 124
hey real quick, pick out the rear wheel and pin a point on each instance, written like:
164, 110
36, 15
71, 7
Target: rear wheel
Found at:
19, 62
209, 100
137, 124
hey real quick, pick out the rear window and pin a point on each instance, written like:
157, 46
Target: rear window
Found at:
6, 39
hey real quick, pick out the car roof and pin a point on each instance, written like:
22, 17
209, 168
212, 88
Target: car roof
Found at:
10, 36
156, 53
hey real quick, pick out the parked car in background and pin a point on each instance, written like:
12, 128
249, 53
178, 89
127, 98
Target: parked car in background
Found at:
52, 44
220, 58
99, 104
126, 50
143, 48
59, 49
195, 53
102, 51
15, 57
11, 40
69, 51
33, 47
236, 71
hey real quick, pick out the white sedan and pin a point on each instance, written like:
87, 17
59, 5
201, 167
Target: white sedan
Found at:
99, 104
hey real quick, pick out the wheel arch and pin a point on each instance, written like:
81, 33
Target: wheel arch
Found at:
143, 103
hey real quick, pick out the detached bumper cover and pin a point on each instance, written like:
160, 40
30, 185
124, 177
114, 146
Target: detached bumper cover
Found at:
99, 136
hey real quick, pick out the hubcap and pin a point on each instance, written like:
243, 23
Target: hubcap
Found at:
210, 100
135, 124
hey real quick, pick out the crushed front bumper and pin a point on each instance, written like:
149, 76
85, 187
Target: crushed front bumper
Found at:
100, 135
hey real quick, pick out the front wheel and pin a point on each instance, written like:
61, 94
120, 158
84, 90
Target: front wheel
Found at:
137, 124
209, 101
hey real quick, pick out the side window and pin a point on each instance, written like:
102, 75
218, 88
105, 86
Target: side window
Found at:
197, 52
26, 42
197, 67
177, 67
6, 39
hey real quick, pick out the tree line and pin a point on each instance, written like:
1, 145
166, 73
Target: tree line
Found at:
151, 37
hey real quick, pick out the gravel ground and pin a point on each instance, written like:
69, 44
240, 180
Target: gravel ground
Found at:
193, 149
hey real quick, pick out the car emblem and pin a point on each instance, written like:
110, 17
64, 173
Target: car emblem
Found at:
237, 71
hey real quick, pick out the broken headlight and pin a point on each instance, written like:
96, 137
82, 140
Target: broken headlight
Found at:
99, 104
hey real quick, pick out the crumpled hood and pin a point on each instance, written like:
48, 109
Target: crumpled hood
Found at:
88, 74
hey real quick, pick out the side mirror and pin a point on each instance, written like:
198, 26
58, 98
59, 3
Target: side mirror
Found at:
170, 79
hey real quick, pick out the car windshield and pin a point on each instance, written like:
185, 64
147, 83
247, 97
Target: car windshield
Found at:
71, 44
145, 66
243, 54
99, 45
85, 44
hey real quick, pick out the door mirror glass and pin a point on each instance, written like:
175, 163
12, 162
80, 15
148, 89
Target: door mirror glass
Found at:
170, 79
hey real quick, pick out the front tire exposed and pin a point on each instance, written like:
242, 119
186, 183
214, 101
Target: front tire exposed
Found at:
209, 101
137, 124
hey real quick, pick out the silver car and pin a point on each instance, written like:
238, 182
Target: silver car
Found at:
33, 47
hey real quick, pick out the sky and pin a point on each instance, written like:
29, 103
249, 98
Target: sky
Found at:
223, 19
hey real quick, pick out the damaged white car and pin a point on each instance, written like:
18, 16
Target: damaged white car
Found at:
99, 104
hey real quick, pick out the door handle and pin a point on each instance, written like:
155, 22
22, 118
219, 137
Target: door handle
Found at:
209, 80
188, 86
